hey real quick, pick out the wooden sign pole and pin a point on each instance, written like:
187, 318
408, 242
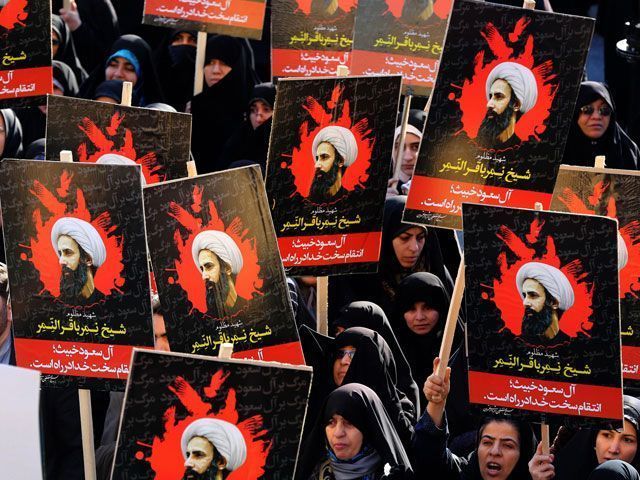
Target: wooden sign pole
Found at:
544, 431
403, 135
127, 93
452, 320
200, 54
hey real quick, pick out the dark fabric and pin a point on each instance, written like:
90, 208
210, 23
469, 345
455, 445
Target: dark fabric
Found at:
265, 92
176, 65
301, 312
371, 316
113, 89
35, 150
615, 144
614, 470
106, 450
98, 30
247, 144
220, 109
33, 123
147, 87
64, 75
13, 134
67, 50
361, 406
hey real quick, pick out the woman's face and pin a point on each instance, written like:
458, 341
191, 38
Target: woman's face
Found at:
184, 38
594, 118
259, 113
421, 318
214, 71
55, 43
498, 450
342, 362
617, 445
345, 440
408, 246
121, 69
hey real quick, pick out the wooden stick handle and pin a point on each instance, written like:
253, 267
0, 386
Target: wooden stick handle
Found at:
226, 350
191, 169
403, 135
66, 4
452, 320
66, 156
342, 71
529, 4
544, 428
600, 161
322, 305
127, 93
200, 54
86, 425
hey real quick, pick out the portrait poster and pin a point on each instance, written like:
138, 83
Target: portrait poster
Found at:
614, 194
98, 132
217, 267
251, 412
237, 18
329, 160
401, 37
500, 66
78, 272
543, 329
311, 38
26, 75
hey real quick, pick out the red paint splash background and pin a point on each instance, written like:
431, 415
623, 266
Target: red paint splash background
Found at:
302, 160
109, 277
473, 97
103, 142
346, 6
248, 281
630, 233
441, 8
507, 296
14, 13
166, 458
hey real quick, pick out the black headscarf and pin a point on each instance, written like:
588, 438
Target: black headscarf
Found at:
220, 109
13, 134
371, 316
63, 74
176, 66
35, 150
113, 89
615, 144
361, 406
67, 50
614, 470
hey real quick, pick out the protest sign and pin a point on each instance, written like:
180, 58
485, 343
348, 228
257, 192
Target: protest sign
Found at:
217, 267
329, 159
98, 132
500, 111
543, 330
25, 53
78, 271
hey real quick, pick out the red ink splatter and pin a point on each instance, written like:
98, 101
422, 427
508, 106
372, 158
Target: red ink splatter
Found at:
101, 144
108, 277
14, 13
248, 281
473, 99
166, 458
506, 294
441, 8
304, 6
302, 160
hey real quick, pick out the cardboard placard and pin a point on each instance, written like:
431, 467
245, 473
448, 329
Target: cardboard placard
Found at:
328, 216
78, 271
157, 141
500, 112
543, 330
25, 53
217, 267
237, 18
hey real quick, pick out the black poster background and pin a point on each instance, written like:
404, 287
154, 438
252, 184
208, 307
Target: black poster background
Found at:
31, 35
235, 193
590, 239
165, 134
620, 200
562, 39
278, 394
372, 98
106, 188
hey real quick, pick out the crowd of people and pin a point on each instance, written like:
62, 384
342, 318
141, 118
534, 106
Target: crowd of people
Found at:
377, 408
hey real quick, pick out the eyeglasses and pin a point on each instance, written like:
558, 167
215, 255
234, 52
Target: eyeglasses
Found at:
605, 110
340, 354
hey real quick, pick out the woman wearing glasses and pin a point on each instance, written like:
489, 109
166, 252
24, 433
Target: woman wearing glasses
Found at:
595, 131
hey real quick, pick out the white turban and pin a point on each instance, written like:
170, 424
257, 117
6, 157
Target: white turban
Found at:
623, 253
342, 140
84, 234
224, 436
521, 80
410, 129
115, 159
221, 244
552, 279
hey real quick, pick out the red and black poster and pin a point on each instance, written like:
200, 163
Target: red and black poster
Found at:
614, 194
25, 53
311, 38
188, 416
543, 329
238, 18
329, 159
500, 112
401, 37
217, 267
75, 247
98, 132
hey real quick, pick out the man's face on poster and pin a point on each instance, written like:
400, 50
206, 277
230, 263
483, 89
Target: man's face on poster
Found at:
200, 453
75, 267
499, 97
216, 276
501, 110
328, 164
69, 252
325, 157
537, 309
209, 266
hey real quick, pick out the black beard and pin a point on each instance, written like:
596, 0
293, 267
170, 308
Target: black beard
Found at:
191, 474
217, 294
322, 182
534, 324
491, 127
72, 282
